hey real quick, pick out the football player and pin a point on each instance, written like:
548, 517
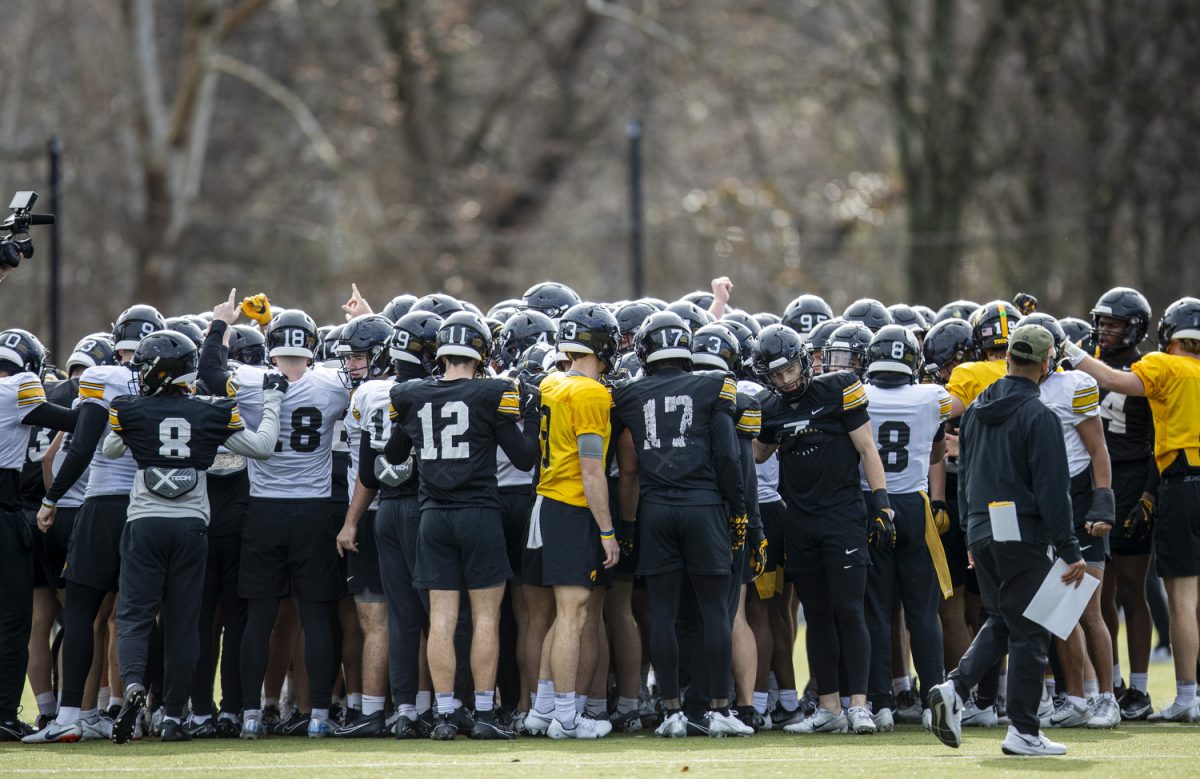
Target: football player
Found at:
806, 312
990, 326
452, 426
1170, 380
822, 432
174, 438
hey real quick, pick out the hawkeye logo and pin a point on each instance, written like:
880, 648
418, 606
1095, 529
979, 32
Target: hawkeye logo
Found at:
593, 574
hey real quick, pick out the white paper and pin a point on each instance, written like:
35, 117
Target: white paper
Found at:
1004, 521
1057, 606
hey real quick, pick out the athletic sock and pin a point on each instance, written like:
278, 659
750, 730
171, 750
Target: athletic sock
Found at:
445, 703
319, 714
544, 702
408, 711
355, 700
1185, 693
67, 715
1077, 702
1117, 677
760, 701
103, 698
580, 705
270, 702
901, 683
87, 715
564, 709
200, 719
484, 701
1091, 688
626, 705
1051, 685
116, 700
596, 707
250, 714
788, 699
423, 701
228, 716
1139, 681
47, 704
372, 703
1002, 684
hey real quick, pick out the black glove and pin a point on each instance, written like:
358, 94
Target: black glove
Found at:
626, 538
737, 532
941, 516
1104, 506
1025, 303
881, 532
758, 550
1136, 526
275, 381
531, 402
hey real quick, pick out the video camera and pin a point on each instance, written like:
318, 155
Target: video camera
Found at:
17, 243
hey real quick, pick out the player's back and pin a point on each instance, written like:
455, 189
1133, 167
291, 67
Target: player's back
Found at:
906, 421
101, 385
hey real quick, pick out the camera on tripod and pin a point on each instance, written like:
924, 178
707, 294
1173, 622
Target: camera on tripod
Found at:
17, 243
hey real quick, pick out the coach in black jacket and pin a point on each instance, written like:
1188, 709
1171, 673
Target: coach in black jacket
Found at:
1011, 449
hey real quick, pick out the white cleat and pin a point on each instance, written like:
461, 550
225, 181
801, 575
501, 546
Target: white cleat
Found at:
54, 733
884, 722
721, 725
1106, 715
584, 729
822, 721
947, 710
1020, 744
1177, 713
1070, 715
674, 726
537, 723
99, 728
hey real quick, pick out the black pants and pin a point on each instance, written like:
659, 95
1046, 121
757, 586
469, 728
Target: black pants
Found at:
16, 608
905, 572
1009, 576
690, 633
162, 570
220, 591
837, 627
396, 524
711, 592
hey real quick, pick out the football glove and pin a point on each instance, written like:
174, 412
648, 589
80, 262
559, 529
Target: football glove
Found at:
258, 308
737, 531
274, 381
758, 551
941, 516
1104, 506
626, 538
1025, 303
881, 532
1136, 526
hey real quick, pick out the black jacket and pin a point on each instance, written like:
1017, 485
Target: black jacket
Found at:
1011, 449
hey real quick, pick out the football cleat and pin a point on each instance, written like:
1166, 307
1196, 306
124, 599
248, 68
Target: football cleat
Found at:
320, 727
444, 728
927, 720
1021, 744
721, 725
15, 729
486, 728
584, 729
1106, 714
782, 716
1070, 715
859, 720
206, 729
131, 710
173, 730
947, 713
96, 729
296, 724
271, 716
629, 722
823, 721
252, 728
975, 717
908, 707
56, 734
1177, 713
884, 722
1135, 705
228, 727
674, 726
406, 728
364, 726
536, 723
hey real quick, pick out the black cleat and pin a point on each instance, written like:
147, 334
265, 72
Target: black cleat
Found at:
444, 728
1135, 705
175, 731
45, 719
270, 717
463, 719
487, 728
294, 725
697, 725
363, 726
406, 728
228, 728
15, 729
127, 717
193, 729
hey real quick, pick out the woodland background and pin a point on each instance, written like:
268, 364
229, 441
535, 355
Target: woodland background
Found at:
916, 150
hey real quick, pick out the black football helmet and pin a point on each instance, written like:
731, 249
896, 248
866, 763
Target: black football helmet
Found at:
927, 313
701, 298
1078, 331
894, 349
537, 359
592, 329
437, 303
247, 345
741, 317
959, 309
993, 323
847, 349
551, 298
947, 344
869, 312
691, 313
777, 348
414, 340
664, 336
134, 324
95, 349
164, 363
398, 307
292, 333
765, 318
1127, 305
1052, 326
367, 334
182, 324
469, 306
744, 337
20, 351
907, 316
806, 312
658, 303
631, 316
1180, 320
522, 330
326, 343
715, 346
505, 306
464, 334
818, 337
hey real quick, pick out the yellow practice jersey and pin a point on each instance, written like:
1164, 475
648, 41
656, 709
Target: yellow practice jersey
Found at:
571, 406
1172, 385
971, 378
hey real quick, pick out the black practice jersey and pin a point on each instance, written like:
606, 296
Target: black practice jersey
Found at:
672, 416
452, 428
174, 431
1128, 423
818, 464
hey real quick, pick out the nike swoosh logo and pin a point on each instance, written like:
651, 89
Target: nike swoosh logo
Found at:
847, 567
816, 410
852, 551
1085, 548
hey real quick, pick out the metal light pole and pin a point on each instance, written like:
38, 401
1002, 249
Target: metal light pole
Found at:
633, 131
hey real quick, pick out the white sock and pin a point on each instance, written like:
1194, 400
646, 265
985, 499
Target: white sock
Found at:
319, 713
596, 707
408, 711
1077, 702
901, 683
1002, 685
47, 704
485, 701
372, 703
115, 700
1139, 681
67, 715
355, 700
228, 716
626, 705
580, 705
788, 699
270, 702
1108, 696
1091, 688
544, 702
250, 714
760, 701
1117, 673
200, 719
87, 715
1185, 693
103, 698
564, 709
445, 703
423, 701
1050, 685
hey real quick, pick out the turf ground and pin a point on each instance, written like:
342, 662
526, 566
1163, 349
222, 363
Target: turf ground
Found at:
1132, 750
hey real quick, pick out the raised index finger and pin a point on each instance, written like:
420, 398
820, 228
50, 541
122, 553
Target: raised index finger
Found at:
232, 295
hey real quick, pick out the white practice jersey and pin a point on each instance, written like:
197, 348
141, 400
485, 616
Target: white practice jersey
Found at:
19, 394
507, 474
368, 413
302, 465
768, 472
905, 421
1073, 396
106, 476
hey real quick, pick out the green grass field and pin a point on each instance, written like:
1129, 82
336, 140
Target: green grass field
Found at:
1130, 750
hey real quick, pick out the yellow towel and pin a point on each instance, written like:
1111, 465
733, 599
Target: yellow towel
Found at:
938, 554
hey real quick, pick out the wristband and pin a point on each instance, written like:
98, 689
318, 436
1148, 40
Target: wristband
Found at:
880, 499
49, 503
607, 534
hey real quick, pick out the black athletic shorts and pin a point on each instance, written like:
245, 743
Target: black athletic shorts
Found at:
1093, 548
832, 540
50, 549
774, 516
461, 548
570, 552
1177, 526
695, 538
228, 497
1129, 482
396, 525
289, 548
362, 567
515, 505
94, 552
